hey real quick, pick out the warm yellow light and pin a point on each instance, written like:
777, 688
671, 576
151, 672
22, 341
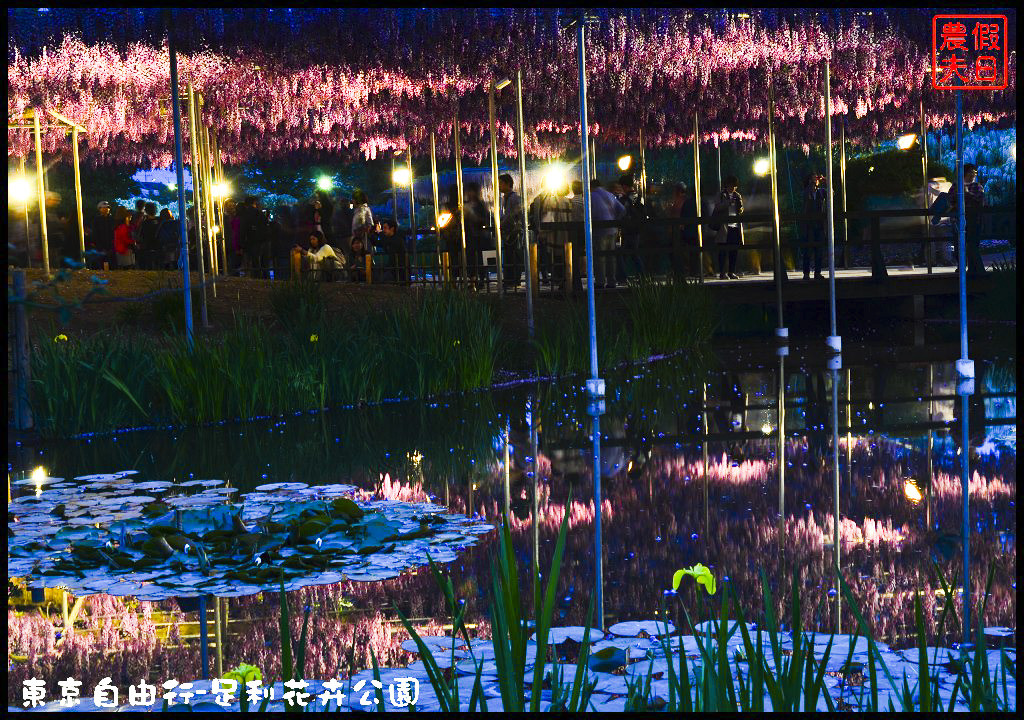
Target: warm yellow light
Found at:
401, 176
444, 218
39, 474
911, 491
554, 179
325, 182
762, 166
624, 162
905, 142
19, 190
215, 229
766, 429
220, 190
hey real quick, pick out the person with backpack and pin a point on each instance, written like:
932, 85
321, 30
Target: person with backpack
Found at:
168, 241
147, 251
635, 217
254, 238
815, 200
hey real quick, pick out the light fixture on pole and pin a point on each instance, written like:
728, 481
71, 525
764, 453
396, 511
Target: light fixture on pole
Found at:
19, 190
762, 166
400, 176
905, 142
325, 183
625, 162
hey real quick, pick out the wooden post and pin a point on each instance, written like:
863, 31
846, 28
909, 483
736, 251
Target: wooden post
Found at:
568, 268
533, 267
462, 215
41, 193
369, 268
78, 194
218, 637
445, 268
22, 367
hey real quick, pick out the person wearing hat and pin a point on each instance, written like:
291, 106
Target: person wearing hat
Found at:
99, 245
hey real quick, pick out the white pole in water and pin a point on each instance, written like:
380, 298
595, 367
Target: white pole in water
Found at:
964, 366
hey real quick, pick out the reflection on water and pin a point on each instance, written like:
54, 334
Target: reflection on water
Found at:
676, 485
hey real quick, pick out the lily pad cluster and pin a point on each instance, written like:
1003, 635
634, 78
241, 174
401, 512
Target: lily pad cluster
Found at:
155, 540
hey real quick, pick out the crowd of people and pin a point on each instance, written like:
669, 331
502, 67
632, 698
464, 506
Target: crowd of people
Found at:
339, 237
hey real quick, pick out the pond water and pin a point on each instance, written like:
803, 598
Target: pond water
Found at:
676, 487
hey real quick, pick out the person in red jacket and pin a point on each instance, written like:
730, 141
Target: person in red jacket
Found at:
124, 241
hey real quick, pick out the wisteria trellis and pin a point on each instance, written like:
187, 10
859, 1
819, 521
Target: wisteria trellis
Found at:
359, 83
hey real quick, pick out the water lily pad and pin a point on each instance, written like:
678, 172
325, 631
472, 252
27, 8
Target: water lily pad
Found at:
650, 628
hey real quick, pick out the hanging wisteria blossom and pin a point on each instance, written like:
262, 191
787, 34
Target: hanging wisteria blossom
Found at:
353, 83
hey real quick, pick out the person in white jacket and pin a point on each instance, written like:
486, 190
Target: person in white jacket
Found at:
604, 207
319, 256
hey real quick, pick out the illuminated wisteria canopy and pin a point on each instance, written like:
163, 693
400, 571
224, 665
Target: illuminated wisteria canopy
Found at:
356, 83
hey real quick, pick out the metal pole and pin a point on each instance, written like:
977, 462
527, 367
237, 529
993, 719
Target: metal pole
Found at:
643, 169
196, 205
218, 176
595, 385
180, 179
696, 191
961, 230
718, 147
929, 467
593, 158
924, 190
833, 340
521, 150
78, 194
780, 451
412, 209
494, 187
842, 182
835, 489
598, 560
40, 192
218, 637
433, 186
28, 233
394, 192
204, 148
458, 186
781, 331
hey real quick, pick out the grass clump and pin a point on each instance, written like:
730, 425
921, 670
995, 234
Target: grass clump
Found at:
445, 342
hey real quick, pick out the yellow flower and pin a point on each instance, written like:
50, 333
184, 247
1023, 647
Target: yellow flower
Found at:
698, 572
244, 674
314, 338
61, 338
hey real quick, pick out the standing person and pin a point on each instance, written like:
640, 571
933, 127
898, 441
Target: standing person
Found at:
232, 236
814, 228
147, 252
605, 207
636, 215
341, 221
99, 245
478, 234
685, 258
974, 201
510, 211
730, 234
451, 235
396, 244
124, 242
362, 219
551, 207
323, 205
168, 240
254, 239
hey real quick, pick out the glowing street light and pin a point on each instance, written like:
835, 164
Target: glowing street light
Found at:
325, 182
762, 166
444, 218
624, 162
172, 187
905, 142
912, 492
554, 179
220, 190
401, 176
19, 190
